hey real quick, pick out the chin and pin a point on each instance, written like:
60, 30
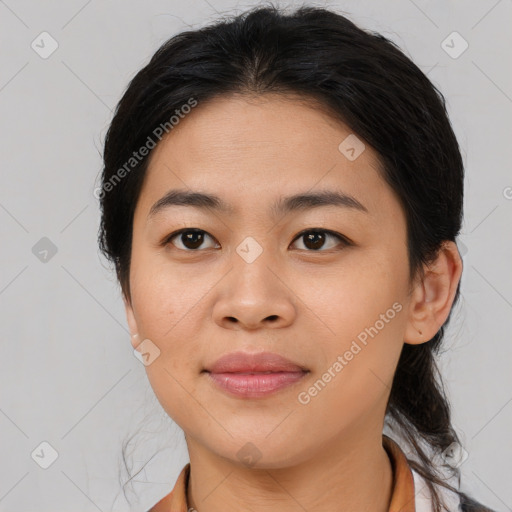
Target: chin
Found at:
260, 453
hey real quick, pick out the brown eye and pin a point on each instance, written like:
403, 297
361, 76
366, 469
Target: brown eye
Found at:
315, 239
190, 239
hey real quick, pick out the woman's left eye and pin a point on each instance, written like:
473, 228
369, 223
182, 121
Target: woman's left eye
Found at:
191, 239
315, 238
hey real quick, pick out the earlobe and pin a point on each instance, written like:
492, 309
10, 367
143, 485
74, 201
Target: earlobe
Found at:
132, 323
433, 295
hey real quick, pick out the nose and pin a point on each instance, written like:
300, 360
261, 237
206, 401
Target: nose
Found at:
253, 296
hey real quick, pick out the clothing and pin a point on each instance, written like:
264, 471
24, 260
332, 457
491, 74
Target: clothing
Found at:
409, 491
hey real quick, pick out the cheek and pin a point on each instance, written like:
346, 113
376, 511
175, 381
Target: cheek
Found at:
354, 298
176, 393
358, 364
166, 309
166, 316
164, 297
363, 312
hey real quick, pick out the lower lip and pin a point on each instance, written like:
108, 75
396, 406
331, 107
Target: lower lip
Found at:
248, 385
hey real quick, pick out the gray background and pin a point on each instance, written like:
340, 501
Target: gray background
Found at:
68, 374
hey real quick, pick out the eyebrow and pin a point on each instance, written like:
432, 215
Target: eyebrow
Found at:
296, 202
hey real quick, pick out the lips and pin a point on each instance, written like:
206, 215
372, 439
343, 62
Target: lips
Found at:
241, 362
254, 375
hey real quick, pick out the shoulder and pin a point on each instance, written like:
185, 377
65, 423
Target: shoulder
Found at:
176, 500
456, 502
468, 504
163, 505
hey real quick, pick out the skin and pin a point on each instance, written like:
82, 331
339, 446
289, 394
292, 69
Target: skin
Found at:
198, 306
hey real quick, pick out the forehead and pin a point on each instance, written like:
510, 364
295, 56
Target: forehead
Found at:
253, 148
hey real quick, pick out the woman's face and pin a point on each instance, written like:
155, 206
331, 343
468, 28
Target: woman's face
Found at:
335, 307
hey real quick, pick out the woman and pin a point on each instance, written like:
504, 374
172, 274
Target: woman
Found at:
281, 197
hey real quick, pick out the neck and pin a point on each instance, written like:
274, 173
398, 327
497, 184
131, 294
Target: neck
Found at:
350, 474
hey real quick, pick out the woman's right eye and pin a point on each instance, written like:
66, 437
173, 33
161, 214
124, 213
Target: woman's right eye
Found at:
190, 239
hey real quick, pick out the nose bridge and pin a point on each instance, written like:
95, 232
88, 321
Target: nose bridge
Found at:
252, 264
253, 294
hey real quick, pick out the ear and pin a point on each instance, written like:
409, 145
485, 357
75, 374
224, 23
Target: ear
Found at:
132, 323
433, 294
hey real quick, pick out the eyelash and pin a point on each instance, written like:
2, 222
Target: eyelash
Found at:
344, 240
